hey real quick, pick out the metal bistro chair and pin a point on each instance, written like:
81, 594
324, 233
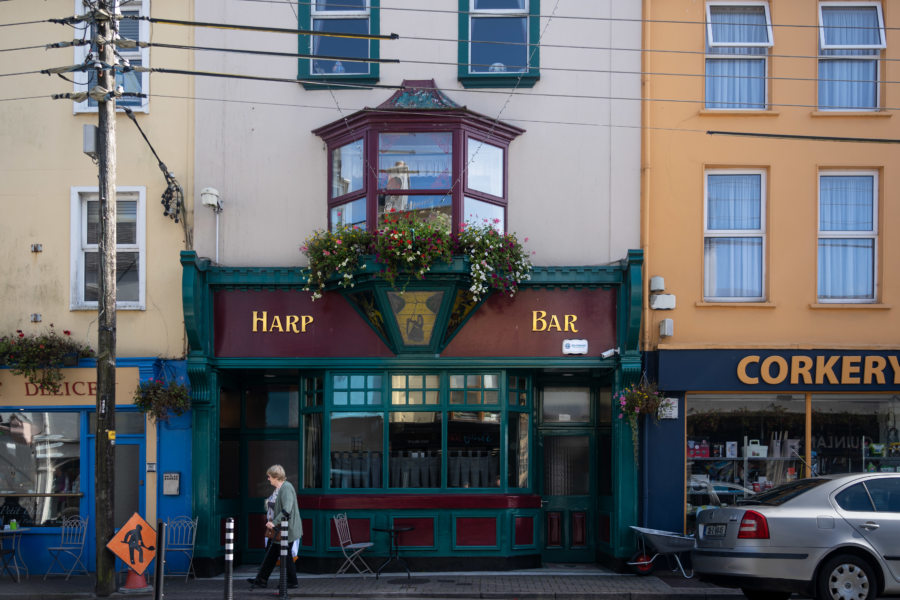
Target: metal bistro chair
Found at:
181, 533
351, 550
72, 544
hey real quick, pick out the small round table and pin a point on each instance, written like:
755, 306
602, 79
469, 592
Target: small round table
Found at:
394, 548
14, 560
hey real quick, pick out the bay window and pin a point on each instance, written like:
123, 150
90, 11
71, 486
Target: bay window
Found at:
738, 38
734, 236
848, 235
448, 171
851, 37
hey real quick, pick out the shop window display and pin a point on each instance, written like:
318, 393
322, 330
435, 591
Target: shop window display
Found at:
40, 454
737, 446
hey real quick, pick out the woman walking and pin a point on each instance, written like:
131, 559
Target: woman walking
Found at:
282, 504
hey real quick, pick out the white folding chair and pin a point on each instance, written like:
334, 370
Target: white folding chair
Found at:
351, 550
71, 544
181, 533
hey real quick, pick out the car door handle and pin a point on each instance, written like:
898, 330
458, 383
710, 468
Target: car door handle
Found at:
870, 525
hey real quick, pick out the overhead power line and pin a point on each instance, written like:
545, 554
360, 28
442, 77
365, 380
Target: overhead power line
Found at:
265, 53
820, 138
703, 23
355, 36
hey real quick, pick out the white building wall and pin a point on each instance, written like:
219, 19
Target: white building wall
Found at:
574, 175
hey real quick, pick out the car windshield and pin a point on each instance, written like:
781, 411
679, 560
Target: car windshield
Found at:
781, 494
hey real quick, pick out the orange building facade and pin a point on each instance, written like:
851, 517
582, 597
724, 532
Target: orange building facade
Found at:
770, 236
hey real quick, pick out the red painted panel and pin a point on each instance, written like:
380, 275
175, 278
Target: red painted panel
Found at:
256, 528
307, 539
603, 526
554, 529
476, 531
509, 323
359, 531
423, 501
421, 535
336, 329
579, 526
524, 535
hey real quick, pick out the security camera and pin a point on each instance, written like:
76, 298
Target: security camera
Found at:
609, 353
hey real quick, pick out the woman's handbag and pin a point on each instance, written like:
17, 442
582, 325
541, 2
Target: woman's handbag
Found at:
273, 534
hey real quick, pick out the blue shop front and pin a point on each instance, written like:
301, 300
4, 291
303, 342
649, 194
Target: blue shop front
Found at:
751, 419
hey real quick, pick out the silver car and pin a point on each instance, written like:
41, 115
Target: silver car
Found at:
833, 537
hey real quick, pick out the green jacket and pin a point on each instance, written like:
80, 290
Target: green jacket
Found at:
287, 501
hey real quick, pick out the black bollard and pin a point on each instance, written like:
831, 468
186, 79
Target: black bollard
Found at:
160, 573
285, 556
229, 558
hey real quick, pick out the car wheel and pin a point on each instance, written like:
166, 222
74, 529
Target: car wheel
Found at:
847, 577
765, 595
646, 566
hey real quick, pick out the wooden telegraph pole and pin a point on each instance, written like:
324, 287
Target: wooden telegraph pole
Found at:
106, 334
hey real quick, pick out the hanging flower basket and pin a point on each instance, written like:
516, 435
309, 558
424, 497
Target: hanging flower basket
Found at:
159, 398
40, 357
638, 399
410, 246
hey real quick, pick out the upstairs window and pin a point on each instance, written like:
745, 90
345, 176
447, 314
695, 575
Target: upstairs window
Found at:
130, 248
498, 43
131, 81
848, 236
734, 236
334, 56
851, 37
447, 167
738, 38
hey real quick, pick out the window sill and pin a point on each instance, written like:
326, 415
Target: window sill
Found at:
850, 305
872, 114
704, 304
311, 82
732, 112
94, 306
491, 80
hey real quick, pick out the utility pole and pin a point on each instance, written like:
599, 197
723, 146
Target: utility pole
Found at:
105, 458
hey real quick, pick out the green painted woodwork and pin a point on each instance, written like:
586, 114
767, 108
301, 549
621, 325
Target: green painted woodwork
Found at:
332, 82
496, 80
200, 279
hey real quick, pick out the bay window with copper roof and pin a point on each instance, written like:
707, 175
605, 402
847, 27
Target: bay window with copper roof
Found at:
418, 153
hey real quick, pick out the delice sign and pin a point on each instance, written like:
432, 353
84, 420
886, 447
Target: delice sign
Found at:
758, 370
79, 386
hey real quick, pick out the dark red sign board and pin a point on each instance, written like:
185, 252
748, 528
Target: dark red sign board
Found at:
280, 323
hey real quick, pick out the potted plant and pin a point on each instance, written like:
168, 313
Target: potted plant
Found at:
638, 399
39, 357
412, 244
160, 397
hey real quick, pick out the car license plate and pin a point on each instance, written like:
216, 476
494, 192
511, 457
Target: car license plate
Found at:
715, 530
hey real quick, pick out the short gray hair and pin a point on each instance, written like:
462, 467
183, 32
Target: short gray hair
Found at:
276, 471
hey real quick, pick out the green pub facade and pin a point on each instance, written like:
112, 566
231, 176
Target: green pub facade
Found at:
485, 427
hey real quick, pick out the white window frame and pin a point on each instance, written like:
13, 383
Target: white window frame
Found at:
524, 12
748, 233
80, 195
709, 26
143, 54
843, 234
825, 46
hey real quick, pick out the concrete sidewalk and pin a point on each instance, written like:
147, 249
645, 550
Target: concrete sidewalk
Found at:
549, 583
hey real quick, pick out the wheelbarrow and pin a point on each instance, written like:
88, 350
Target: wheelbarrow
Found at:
660, 543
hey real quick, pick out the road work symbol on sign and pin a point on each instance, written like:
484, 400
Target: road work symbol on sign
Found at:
134, 544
